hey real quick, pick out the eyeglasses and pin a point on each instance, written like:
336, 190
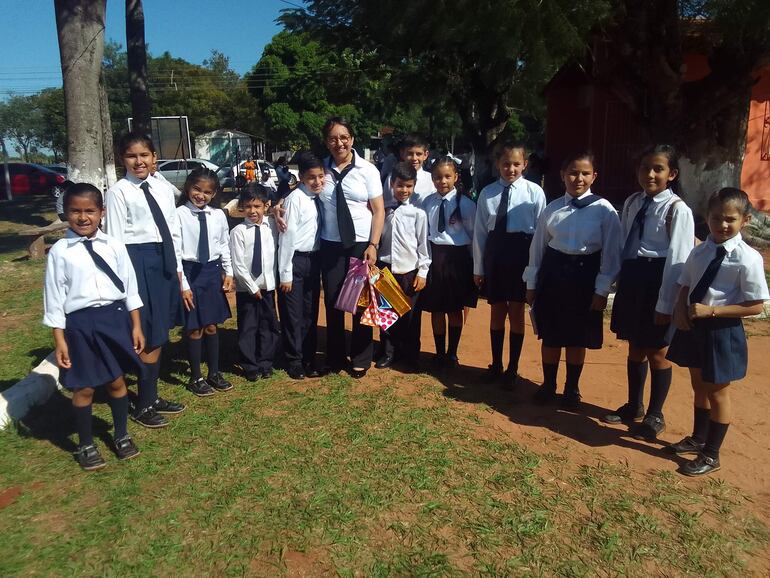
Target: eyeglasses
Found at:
344, 139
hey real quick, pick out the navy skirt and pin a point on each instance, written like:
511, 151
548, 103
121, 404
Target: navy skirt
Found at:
211, 306
564, 291
506, 255
160, 295
450, 285
716, 346
633, 310
100, 346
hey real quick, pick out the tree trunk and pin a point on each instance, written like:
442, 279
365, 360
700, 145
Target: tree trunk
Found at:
108, 150
6, 171
80, 27
137, 67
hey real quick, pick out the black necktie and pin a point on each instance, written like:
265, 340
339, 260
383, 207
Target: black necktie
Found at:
501, 221
631, 246
203, 239
697, 294
102, 264
169, 257
319, 207
256, 258
441, 217
344, 220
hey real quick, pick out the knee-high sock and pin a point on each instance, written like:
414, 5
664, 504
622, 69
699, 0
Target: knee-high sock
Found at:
119, 407
440, 341
660, 380
637, 375
715, 437
84, 425
701, 420
148, 385
212, 352
573, 377
194, 350
515, 343
454, 340
497, 339
550, 371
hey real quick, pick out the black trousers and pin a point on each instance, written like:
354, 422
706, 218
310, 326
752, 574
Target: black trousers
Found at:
402, 340
258, 332
299, 309
334, 266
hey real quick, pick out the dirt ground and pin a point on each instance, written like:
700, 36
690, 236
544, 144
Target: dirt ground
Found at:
746, 452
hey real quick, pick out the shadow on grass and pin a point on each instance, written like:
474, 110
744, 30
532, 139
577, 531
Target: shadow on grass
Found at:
28, 210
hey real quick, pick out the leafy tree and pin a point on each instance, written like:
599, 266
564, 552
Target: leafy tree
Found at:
52, 126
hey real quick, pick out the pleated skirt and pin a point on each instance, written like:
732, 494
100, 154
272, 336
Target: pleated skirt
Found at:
211, 306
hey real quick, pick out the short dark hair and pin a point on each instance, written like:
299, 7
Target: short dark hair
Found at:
582, 155
730, 195
671, 154
335, 120
132, 138
413, 140
445, 160
504, 146
82, 190
307, 160
253, 191
404, 171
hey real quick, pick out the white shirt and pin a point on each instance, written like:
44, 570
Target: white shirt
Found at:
74, 282
218, 234
741, 277
573, 231
525, 204
242, 252
128, 217
404, 241
360, 185
457, 233
423, 188
655, 242
301, 234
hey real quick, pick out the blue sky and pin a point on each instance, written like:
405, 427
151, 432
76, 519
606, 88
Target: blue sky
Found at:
189, 29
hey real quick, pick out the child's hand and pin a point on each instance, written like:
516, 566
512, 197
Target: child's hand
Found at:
187, 298
530, 297
227, 284
278, 212
681, 319
138, 338
699, 311
63, 356
258, 295
598, 303
419, 283
478, 280
286, 287
661, 319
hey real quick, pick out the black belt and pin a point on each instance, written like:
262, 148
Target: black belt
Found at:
305, 253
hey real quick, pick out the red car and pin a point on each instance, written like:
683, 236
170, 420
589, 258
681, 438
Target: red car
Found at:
29, 179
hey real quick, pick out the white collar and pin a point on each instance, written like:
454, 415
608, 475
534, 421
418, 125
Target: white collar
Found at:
72, 237
449, 196
729, 245
194, 209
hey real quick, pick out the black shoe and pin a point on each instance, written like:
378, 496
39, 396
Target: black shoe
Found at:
570, 400
452, 362
218, 382
384, 362
89, 458
493, 374
439, 362
626, 414
266, 373
358, 373
687, 446
200, 387
544, 395
150, 418
295, 372
649, 429
252, 375
509, 380
125, 448
700, 466
169, 407
311, 371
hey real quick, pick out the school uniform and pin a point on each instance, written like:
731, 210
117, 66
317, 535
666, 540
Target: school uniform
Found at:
205, 258
404, 250
299, 263
718, 345
354, 186
502, 236
423, 188
154, 247
575, 253
450, 285
92, 305
254, 270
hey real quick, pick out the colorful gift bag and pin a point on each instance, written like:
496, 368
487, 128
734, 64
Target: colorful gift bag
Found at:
369, 316
388, 287
354, 283
385, 318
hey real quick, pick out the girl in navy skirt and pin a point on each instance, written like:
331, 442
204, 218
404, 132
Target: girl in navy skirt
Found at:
92, 303
506, 214
141, 213
208, 274
450, 286
657, 231
573, 260
722, 281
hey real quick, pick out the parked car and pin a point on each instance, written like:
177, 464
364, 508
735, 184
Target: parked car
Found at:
176, 170
60, 168
29, 179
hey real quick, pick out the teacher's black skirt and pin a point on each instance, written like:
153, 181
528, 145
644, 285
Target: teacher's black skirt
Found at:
562, 310
633, 309
450, 285
211, 306
716, 346
506, 255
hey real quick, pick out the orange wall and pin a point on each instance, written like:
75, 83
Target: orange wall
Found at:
755, 177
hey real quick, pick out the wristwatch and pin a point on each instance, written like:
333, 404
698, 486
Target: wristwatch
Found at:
375, 245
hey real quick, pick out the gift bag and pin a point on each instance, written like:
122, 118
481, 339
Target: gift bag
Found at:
354, 282
388, 287
369, 316
385, 318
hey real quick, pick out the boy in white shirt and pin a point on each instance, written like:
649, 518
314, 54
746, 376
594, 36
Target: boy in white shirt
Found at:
413, 149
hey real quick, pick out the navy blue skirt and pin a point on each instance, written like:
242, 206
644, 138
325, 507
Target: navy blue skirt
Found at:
211, 306
450, 285
506, 255
562, 310
160, 295
100, 346
716, 346
633, 310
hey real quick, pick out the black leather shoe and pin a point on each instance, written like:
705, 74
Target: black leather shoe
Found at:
452, 362
200, 387
494, 373
125, 448
150, 418
89, 458
570, 400
544, 395
687, 446
700, 466
358, 373
311, 371
626, 414
169, 407
218, 382
649, 429
267, 373
509, 379
384, 362
295, 372
252, 375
